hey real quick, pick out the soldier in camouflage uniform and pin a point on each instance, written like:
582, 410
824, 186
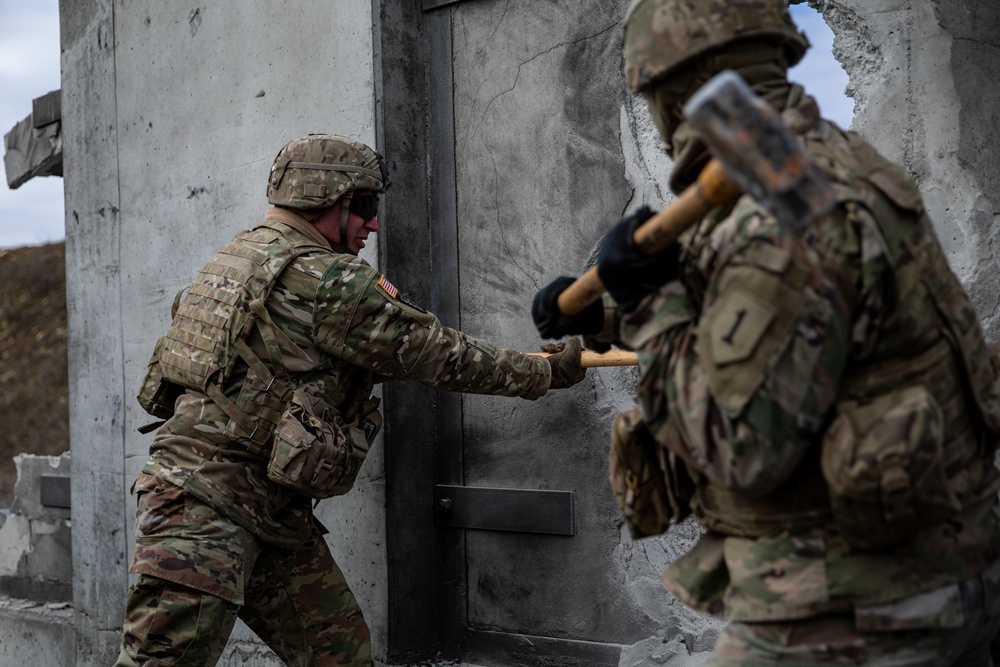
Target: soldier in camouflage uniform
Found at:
265, 379
823, 402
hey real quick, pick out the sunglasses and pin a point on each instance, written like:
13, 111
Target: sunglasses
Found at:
365, 206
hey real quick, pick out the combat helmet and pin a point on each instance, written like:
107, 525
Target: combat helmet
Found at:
315, 171
662, 36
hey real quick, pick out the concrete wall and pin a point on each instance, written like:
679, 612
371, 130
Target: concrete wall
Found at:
36, 567
36, 633
513, 147
923, 75
36, 560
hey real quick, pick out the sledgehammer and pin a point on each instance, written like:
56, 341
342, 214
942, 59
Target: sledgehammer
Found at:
591, 359
755, 153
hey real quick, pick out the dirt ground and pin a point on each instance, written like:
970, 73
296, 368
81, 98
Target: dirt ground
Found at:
34, 414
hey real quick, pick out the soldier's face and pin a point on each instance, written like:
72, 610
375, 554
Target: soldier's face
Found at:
358, 228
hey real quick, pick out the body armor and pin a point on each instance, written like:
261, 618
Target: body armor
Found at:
209, 336
918, 413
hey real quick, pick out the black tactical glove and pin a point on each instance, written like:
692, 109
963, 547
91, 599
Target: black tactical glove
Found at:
627, 274
553, 324
565, 363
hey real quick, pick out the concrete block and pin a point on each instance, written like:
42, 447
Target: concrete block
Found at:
31, 151
36, 634
15, 543
46, 109
51, 556
27, 490
36, 560
659, 652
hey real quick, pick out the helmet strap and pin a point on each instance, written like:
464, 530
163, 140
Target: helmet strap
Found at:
345, 210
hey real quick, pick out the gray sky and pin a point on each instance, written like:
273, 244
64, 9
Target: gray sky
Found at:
29, 68
819, 71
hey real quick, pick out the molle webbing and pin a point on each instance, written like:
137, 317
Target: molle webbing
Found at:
801, 502
966, 336
211, 327
215, 314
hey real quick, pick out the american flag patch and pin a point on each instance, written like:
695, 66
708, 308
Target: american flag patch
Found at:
389, 288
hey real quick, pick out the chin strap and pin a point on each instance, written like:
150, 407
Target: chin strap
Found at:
345, 209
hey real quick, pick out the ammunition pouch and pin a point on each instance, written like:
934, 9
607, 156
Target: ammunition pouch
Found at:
315, 452
883, 460
650, 484
157, 395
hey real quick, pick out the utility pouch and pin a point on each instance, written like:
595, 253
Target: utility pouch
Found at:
883, 462
649, 483
315, 452
157, 395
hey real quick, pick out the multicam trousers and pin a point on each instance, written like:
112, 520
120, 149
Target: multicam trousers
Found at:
972, 613
199, 572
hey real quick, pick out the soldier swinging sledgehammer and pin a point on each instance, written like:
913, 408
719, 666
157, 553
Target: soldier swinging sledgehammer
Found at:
264, 379
819, 396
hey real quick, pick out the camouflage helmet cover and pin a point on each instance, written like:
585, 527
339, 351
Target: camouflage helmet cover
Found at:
662, 36
315, 171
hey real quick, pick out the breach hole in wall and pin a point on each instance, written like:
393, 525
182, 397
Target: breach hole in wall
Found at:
819, 71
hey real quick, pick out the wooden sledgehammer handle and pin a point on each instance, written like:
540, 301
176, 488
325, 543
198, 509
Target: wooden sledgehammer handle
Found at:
715, 187
591, 359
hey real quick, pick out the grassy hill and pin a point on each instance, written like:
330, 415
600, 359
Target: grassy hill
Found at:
34, 414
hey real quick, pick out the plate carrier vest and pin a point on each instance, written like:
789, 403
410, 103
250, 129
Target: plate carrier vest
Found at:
208, 335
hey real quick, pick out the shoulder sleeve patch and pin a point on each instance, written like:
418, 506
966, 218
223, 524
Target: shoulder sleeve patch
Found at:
736, 324
387, 287
744, 331
393, 292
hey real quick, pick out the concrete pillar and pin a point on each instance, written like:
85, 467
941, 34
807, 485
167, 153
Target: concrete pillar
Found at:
173, 116
94, 302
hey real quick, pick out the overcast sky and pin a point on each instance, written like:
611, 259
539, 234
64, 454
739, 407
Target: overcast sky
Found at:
29, 68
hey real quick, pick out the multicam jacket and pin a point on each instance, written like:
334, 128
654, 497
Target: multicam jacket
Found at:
768, 337
353, 331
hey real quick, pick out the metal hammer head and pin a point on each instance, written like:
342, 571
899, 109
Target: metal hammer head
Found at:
761, 154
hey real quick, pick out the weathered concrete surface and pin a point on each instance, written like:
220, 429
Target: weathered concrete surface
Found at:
36, 560
923, 76
35, 633
31, 151
94, 308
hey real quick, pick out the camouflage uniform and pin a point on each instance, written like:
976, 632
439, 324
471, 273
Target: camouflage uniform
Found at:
756, 364
216, 538
743, 364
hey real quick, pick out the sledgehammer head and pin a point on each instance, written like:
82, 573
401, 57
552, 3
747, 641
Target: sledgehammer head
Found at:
760, 153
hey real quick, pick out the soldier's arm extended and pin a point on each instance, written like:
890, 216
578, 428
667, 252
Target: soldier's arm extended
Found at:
742, 387
361, 319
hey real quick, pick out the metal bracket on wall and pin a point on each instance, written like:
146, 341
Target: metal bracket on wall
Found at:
434, 4
518, 510
54, 491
